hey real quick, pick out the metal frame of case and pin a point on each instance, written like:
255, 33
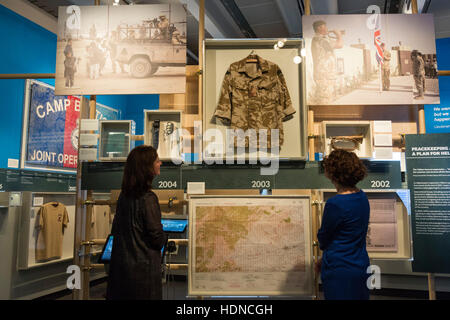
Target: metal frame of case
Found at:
101, 145
367, 138
404, 243
263, 44
309, 269
162, 114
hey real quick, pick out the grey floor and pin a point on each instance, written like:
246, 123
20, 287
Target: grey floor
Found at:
176, 289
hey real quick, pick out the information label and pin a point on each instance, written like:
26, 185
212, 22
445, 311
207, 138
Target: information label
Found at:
428, 172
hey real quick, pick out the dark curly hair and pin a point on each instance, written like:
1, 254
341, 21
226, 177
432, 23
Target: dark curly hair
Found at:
344, 168
138, 174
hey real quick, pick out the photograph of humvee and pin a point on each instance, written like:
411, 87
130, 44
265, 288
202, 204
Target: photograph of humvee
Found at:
139, 49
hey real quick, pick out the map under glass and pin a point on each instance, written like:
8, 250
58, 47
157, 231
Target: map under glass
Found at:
250, 246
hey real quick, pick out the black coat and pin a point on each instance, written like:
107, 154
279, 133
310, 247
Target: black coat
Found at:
135, 267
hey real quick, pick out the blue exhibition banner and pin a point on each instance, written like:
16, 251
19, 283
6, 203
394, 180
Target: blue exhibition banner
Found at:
437, 116
52, 127
52, 139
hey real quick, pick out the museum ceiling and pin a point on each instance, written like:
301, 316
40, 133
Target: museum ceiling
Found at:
268, 18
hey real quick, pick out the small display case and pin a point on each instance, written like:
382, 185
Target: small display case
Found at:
161, 132
353, 136
115, 139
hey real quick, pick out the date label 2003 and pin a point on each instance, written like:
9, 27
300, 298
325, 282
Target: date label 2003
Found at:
258, 184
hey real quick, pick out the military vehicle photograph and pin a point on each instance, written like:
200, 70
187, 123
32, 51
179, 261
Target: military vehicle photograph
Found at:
139, 49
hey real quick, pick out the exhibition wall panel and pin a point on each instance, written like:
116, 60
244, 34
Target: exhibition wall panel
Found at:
28, 48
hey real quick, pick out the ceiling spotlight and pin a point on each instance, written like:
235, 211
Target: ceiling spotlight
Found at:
280, 44
303, 52
297, 59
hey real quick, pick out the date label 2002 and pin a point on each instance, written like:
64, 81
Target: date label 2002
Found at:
380, 184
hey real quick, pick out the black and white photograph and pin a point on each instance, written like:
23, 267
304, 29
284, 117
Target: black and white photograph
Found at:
371, 59
139, 49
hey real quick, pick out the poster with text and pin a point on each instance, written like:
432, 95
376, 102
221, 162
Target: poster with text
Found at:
428, 175
51, 128
139, 49
370, 59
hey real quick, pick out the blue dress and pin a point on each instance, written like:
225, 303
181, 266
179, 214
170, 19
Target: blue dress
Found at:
342, 237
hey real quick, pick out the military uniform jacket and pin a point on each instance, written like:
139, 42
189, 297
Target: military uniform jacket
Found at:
255, 98
386, 60
135, 267
322, 49
418, 67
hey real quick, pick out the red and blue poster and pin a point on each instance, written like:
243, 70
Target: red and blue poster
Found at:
52, 138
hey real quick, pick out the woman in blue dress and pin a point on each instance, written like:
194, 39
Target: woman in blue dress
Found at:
342, 235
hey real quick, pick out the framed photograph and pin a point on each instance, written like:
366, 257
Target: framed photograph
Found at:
388, 59
250, 245
253, 92
139, 49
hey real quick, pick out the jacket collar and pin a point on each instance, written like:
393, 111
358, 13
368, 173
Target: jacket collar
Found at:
263, 65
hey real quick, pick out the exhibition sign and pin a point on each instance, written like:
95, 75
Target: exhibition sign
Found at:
31, 180
437, 118
139, 49
370, 59
50, 137
428, 172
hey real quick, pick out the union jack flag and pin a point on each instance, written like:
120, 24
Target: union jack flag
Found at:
377, 40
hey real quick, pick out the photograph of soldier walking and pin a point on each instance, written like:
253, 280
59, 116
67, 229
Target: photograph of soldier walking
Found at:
139, 49
370, 59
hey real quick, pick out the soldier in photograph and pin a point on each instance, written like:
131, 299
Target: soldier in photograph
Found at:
94, 60
324, 61
163, 26
70, 67
113, 54
93, 32
386, 68
68, 48
418, 73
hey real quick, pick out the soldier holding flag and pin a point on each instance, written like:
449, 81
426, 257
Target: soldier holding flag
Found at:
386, 68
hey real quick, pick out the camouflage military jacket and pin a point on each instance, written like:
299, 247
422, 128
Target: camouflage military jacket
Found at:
418, 67
255, 100
322, 49
386, 60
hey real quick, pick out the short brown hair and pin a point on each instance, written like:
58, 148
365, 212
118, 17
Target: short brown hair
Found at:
317, 24
138, 174
344, 168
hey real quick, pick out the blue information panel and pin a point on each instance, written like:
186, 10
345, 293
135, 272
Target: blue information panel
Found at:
172, 225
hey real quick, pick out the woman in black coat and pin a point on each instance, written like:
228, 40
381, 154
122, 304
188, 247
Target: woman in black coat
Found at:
135, 267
